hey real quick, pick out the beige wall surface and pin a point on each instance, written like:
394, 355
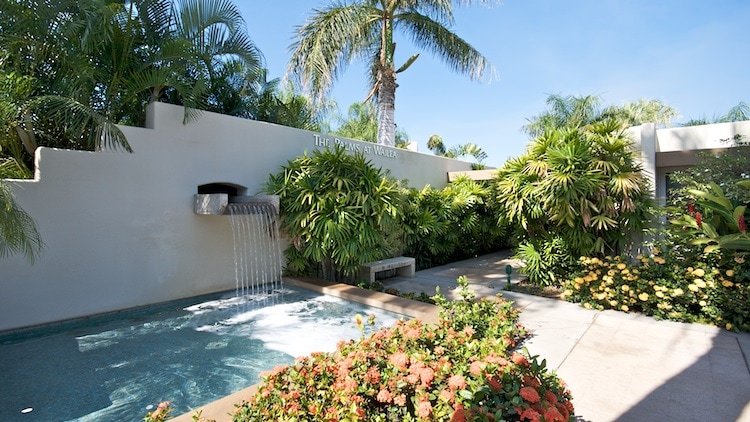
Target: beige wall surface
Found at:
119, 229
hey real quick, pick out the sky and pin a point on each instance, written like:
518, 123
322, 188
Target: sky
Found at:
691, 54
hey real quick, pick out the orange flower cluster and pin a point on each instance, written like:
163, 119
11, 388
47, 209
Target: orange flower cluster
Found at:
452, 371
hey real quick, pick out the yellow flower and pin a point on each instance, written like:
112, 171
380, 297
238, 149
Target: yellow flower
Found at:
702, 303
699, 272
690, 269
621, 266
693, 288
643, 296
578, 280
730, 273
727, 283
624, 308
699, 282
587, 305
613, 303
659, 260
729, 326
625, 271
739, 259
601, 296
677, 292
659, 294
625, 288
655, 251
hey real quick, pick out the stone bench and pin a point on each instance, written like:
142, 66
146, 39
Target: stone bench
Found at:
404, 266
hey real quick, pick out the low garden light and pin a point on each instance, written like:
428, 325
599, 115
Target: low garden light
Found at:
508, 271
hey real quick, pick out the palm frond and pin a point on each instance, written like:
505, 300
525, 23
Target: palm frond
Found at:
97, 131
328, 42
452, 49
18, 232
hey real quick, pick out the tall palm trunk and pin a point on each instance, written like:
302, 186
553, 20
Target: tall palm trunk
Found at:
386, 108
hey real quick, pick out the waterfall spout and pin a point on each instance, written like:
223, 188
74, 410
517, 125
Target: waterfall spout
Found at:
257, 249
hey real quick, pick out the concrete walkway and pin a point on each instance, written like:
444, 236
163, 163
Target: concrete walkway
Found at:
619, 367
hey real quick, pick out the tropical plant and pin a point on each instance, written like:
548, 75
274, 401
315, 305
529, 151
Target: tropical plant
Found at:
362, 123
737, 113
462, 368
583, 184
339, 212
714, 221
577, 111
18, 232
436, 145
364, 29
85, 65
456, 222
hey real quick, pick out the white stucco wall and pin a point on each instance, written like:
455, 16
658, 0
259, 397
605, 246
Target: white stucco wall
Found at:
119, 229
663, 150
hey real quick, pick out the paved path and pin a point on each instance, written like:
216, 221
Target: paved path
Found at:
620, 367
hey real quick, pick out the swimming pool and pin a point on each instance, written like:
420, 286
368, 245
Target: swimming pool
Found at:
117, 366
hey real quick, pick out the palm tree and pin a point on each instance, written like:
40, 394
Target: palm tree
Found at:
364, 30
577, 111
90, 64
18, 233
361, 123
469, 149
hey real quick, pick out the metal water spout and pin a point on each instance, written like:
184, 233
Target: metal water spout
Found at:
219, 204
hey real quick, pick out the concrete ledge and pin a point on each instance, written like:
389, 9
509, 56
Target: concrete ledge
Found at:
222, 409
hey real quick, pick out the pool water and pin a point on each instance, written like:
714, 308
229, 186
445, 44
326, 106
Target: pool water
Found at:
116, 367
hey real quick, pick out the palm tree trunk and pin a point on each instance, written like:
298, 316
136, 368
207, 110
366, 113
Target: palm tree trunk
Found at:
386, 108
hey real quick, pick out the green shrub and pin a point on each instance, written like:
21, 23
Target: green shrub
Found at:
339, 212
463, 368
547, 260
456, 222
584, 185
710, 288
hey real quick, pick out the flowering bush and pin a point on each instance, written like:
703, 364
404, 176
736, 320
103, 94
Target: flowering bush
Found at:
162, 412
462, 368
712, 288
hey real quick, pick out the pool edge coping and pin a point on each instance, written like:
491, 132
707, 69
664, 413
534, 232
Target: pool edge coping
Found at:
222, 409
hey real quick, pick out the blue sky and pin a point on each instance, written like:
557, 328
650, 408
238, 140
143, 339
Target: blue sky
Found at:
691, 54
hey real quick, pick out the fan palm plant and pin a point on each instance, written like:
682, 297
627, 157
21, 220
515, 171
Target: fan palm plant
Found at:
364, 30
575, 190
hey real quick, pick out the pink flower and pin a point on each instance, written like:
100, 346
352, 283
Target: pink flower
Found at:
494, 383
400, 360
553, 415
519, 359
372, 376
384, 396
699, 219
400, 400
427, 375
530, 414
456, 382
741, 223
529, 394
477, 367
424, 409
459, 414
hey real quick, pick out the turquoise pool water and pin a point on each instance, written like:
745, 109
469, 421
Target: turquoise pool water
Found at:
115, 367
